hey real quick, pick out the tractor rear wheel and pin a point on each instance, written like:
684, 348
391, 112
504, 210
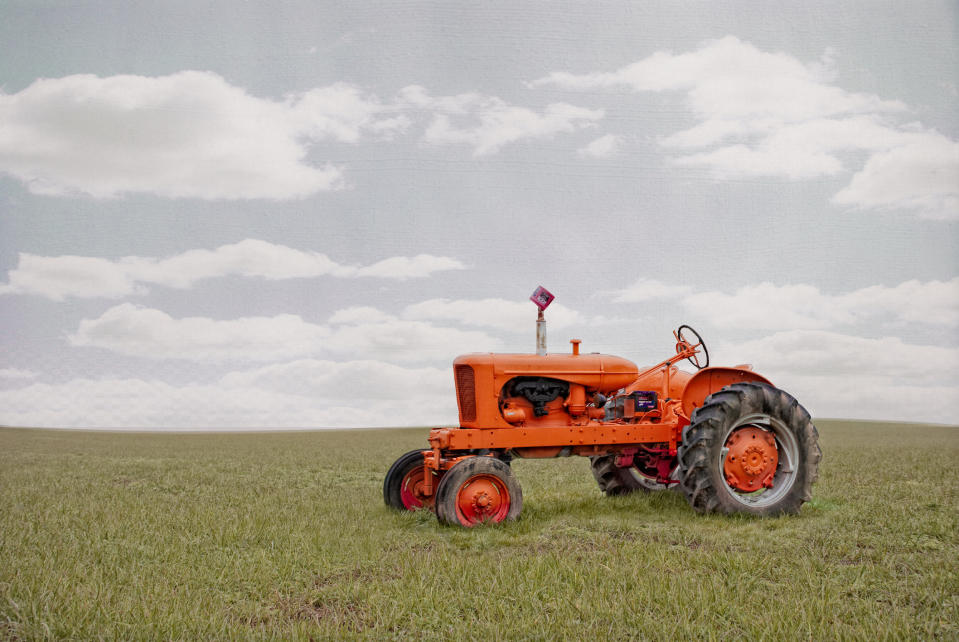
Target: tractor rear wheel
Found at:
478, 490
751, 448
403, 486
621, 480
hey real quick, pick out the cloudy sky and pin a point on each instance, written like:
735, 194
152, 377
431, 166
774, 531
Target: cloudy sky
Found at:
295, 214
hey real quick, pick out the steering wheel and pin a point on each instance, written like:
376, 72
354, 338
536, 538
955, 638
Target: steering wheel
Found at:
694, 359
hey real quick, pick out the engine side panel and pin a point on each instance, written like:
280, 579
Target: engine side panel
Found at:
481, 377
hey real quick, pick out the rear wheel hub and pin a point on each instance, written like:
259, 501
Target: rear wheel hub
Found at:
751, 459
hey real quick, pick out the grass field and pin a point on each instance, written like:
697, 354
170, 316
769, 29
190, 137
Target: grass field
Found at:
265, 536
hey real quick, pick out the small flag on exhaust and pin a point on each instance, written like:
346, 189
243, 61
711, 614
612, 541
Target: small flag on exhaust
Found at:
542, 297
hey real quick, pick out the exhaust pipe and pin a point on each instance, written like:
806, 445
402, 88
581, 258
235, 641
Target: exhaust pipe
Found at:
542, 298
540, 334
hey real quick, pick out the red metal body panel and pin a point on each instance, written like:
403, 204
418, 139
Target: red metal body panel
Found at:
588, 435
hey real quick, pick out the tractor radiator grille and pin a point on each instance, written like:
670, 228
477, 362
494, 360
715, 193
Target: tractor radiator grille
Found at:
466, 392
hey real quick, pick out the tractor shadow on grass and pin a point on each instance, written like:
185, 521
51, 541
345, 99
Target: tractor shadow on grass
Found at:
592, 506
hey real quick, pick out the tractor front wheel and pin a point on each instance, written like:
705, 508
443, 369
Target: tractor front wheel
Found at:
403, 486
478, 490
751, 448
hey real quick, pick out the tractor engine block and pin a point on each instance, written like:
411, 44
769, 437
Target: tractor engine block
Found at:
539, 391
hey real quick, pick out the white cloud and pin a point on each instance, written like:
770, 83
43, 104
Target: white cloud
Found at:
402, 340
922, 174
357, 381
929, 302
410, 267
502, 314
248, 258
300, 394
143, 332
58, 277
837, 375
194, 135
603, 147
770, 114
189, 134
16, 373
488, 123
815, 352
833, 375
768, 306
342, 112
730, 79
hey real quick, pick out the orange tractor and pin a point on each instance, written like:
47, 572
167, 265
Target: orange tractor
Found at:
731, 441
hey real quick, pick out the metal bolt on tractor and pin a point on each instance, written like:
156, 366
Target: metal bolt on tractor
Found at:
732, 441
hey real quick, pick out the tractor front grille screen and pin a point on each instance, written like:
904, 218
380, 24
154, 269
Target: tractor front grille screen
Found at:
466, 392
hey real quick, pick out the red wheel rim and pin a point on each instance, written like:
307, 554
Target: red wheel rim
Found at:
751, 459
411, 490
482, 498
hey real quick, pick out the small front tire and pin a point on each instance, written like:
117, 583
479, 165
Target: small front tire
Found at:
403, 486
478, 490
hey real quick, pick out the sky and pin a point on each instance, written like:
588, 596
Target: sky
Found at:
256, 215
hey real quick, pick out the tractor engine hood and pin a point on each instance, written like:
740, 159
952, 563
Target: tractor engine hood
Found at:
601, 372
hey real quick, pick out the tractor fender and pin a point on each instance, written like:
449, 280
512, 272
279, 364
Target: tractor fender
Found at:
710, 380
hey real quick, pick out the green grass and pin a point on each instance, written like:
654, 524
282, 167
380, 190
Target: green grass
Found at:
266, 536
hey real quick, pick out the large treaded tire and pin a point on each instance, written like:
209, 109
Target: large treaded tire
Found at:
616, 480
701, 454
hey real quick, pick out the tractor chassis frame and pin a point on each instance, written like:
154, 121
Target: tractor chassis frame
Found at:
624, 439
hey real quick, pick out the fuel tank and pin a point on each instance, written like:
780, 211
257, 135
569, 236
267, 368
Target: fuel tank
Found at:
480, 378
